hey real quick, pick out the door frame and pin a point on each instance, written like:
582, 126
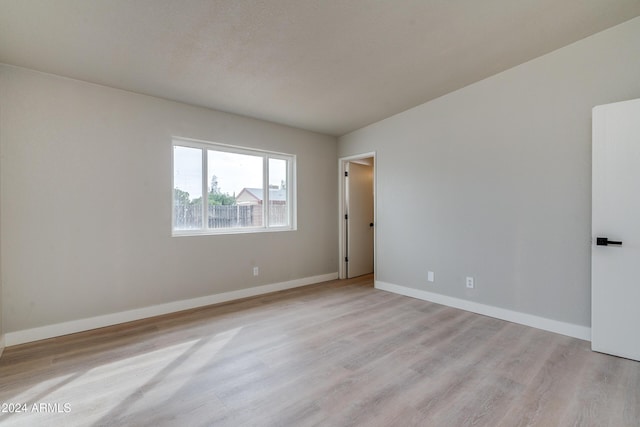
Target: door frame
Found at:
342, 203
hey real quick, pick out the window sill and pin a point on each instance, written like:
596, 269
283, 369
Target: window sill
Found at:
187, 233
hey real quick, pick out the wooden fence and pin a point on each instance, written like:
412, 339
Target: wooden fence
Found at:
228, 216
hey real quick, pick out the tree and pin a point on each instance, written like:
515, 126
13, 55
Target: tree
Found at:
182, 198
215, 189
221, 199
217, 197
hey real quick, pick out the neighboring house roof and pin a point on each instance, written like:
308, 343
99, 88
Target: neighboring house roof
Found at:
258, 193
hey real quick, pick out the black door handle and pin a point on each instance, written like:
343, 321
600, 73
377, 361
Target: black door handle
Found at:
370, 224
603, 241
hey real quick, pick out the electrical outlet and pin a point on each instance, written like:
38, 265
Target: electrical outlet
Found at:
470, 283
256, 271
431, 276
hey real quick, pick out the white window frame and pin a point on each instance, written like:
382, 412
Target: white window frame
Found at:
266, 155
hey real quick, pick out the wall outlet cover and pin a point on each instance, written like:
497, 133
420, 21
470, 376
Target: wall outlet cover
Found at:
470, 283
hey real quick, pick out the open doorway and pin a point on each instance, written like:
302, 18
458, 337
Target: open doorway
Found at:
357, 215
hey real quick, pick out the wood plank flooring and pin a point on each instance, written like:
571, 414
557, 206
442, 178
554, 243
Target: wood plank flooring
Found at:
339, 353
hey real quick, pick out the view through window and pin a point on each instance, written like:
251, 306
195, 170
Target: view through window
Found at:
233, 182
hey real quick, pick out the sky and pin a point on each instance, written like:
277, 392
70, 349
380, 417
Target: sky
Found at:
233, 171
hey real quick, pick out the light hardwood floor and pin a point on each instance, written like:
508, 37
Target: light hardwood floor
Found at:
334, 354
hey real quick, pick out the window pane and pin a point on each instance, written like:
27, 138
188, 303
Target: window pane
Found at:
278, 199
235, 190
187, 191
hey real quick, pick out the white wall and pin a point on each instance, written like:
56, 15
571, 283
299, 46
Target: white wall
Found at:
86, 203
494, 180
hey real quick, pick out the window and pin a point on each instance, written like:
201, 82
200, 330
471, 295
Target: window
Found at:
221, 189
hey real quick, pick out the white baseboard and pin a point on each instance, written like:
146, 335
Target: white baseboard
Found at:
1, 344
569, 329
73, 326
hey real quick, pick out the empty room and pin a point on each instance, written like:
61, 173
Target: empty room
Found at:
418, 213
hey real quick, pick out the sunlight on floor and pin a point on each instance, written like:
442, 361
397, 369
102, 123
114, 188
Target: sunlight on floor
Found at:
173, 367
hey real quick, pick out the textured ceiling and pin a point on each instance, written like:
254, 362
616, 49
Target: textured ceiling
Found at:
330, 66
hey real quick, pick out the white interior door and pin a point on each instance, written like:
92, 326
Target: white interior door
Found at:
359, 206
615, 276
